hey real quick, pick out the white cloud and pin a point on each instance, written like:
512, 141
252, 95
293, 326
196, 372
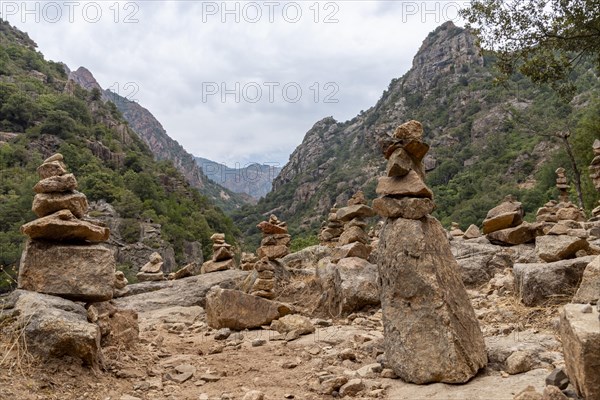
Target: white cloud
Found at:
177, 48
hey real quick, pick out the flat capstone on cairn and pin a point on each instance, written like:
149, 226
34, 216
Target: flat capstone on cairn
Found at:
431, 333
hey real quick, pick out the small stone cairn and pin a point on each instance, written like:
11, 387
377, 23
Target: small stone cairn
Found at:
354, 240
152, 270
222, 258
332, 229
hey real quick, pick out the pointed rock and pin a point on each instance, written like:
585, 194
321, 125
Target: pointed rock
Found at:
431, 333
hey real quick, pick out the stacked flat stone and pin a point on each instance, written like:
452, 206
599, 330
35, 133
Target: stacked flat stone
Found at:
563, 210
354, 240
504, 224
276, 240
248, 261
222, 258
62, 256
431, 333
332, 229
403, 193
152, 270
595, 173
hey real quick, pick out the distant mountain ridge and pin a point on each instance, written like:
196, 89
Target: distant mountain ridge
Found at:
252, 179
161, 144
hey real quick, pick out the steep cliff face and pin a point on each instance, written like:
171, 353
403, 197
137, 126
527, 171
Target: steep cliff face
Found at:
254, 180
478, 152
160, 143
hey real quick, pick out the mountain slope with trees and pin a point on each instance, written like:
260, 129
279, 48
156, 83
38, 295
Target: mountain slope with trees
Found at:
42, 112
487, 140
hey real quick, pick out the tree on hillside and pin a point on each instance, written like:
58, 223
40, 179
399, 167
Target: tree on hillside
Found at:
542, 39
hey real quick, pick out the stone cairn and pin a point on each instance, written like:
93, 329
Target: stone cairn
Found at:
504, 224
248, 261
563, 210
332, 229
431, 333
275, 244
354, 240
595, 173
276, 240
222, 258
455, 230
62, 257
152, 270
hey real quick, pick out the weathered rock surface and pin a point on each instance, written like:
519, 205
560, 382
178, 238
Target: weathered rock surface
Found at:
56, 184
307, 258
76, 272
589, 289
508, 214
554, 248
273, 252
48, 203
271, 229
51, 168
63, 225
186, 292
53, 326
226, 308
539, 283
472, 232
580, 336
431, 332
405, 207
293, 322
215, 266
348, 286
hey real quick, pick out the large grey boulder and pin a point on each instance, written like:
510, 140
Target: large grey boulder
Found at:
348, 286
559, 247
539, 283
53, 326
431, 333
234, 309
185, 292
580, 336
72, 271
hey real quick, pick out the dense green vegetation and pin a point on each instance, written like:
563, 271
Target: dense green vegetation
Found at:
45, 113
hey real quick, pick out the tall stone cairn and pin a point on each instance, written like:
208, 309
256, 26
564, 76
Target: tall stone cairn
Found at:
561, 210
562, 184
431, 333
595, 173
62, 256
274, 245
222, 257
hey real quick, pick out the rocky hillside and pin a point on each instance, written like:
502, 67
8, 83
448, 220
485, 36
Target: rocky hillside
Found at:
255, 180
160, 143
42, 112
486, 140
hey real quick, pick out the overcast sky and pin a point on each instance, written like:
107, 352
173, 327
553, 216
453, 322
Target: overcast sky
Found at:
237, 81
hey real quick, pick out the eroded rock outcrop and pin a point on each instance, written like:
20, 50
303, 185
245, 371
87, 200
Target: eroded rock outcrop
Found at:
431, 332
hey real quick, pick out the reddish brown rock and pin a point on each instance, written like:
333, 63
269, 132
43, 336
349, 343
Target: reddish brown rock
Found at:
47, 203
63, 226
410, 185
56, 184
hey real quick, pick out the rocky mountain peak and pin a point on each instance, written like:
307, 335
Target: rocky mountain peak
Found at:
84, 78
446, 50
